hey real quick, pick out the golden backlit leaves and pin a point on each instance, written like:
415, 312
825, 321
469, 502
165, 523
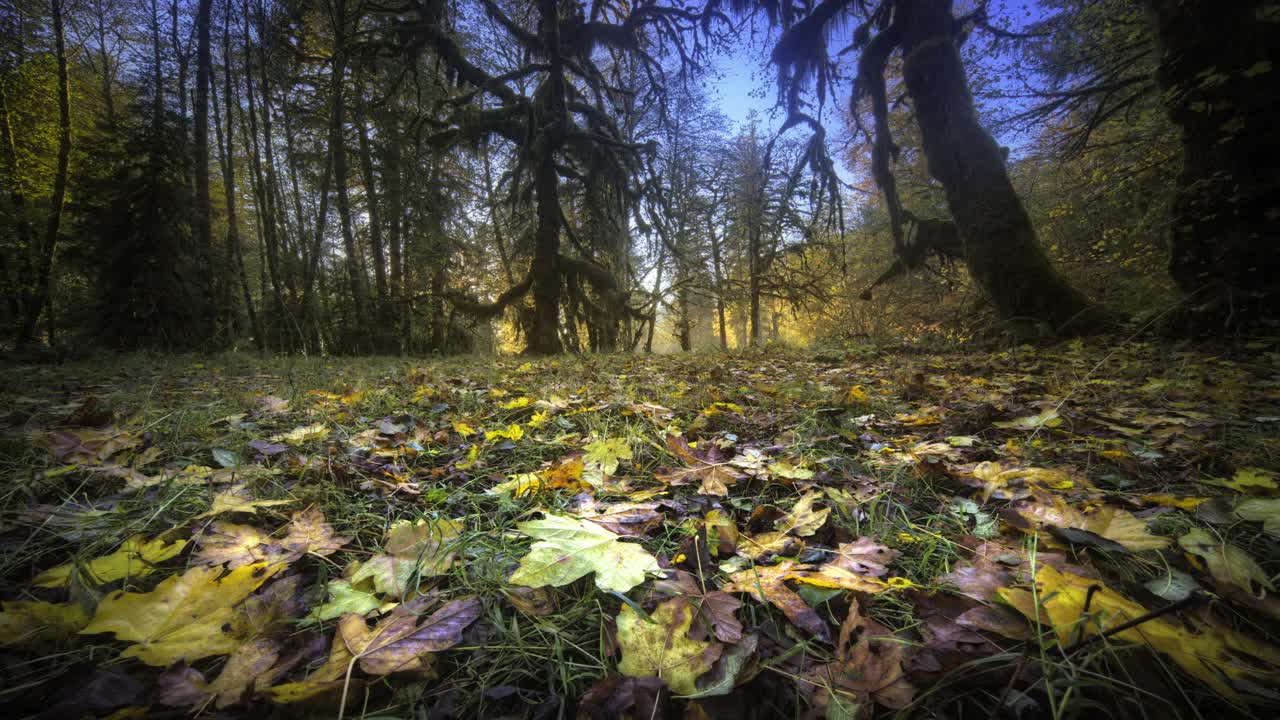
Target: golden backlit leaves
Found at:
184, 618
136, 557
1222, 658
1114, 524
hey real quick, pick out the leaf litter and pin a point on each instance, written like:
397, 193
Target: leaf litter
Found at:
841, 533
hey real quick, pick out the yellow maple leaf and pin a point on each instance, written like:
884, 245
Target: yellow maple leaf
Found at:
238, 499
513, 433
303, 435
135, 558
1217, 655
30, 623
1114, 524
663, 648
185, 618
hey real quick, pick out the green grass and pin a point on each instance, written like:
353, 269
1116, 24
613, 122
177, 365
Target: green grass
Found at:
793, 407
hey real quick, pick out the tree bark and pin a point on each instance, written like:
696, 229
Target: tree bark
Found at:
1218, 82
337, 144
22, 229
717, 268
40, 295
274, 322
372, 204
545, 338
234, 255
203, 210
1003, 253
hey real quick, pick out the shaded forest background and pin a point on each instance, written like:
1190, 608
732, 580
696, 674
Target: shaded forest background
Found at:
416, 176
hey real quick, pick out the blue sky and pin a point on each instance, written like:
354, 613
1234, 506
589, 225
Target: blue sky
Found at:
746, 81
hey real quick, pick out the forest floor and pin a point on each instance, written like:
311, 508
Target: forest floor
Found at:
1082, 530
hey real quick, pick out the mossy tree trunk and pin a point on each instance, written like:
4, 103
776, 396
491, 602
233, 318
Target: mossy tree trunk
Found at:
1004, 255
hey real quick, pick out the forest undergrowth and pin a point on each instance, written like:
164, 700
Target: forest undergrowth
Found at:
1082, 530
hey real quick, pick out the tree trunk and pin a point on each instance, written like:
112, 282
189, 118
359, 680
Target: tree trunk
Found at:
22, 229
371, 204
157, 97
753, 252
274, 321
234, 256
39, 298
545, 338
274, 195
108, 94
203, 210
717, 268
1003, 253
395, 212
657, 298
181, 58
337, 145
1219, 87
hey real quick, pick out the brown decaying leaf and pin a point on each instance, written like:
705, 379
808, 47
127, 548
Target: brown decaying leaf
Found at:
271, 609
714, 610
398, 643
712, 471
237, 546
864, 556
768, 584
867, 667
309, 533
184, 686
630, 519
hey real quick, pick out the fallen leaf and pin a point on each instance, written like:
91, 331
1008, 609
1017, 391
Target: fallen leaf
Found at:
414, 550
662, 648
236, 682
308, 533
236, 546
237, 498
864, 556
33, 623
1227, 563
710, 469
608, 453
568, 548
1112, 523
1220, 657
1047, 418
630, 519
136, 557
767, 584
346, 598
803, 520
1252, 480
714, 610
1263, 510
303, 435
398, 643
868, 667
735, 666
183, 619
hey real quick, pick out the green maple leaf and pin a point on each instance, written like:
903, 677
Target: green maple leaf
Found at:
569, 548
